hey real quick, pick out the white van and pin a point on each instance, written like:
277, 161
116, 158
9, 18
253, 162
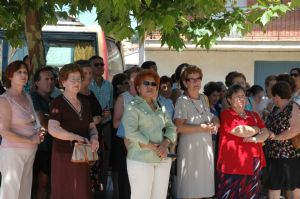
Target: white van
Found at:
69, 41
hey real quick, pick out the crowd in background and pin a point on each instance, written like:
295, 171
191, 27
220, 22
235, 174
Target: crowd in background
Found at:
157, 136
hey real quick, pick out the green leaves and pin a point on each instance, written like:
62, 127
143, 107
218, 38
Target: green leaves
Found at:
266, 17
168, 23
263, 13
201, 22
148, 2
295, 4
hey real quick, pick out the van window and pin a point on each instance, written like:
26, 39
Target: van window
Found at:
61, 53
115, 62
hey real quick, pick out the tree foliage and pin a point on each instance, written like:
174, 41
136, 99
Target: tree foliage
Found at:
198, 21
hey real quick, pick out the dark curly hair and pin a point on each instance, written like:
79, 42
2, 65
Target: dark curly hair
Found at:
230, 77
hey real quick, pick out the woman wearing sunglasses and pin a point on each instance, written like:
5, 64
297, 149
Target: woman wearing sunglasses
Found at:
150, 132
196, 124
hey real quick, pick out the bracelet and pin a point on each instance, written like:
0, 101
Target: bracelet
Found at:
168, 140
94, 135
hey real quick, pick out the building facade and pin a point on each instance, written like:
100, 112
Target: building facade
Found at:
257, 55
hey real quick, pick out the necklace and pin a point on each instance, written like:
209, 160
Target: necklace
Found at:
79, 113
242, 115
196, 107
198, 111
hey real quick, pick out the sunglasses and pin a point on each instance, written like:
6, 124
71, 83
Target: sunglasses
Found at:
147, 83
98, 64
294, 74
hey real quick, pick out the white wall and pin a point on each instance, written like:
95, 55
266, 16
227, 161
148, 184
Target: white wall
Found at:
216, 64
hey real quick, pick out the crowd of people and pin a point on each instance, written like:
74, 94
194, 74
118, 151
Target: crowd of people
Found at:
157, 137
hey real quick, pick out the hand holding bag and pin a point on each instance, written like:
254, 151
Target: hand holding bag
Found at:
82, 153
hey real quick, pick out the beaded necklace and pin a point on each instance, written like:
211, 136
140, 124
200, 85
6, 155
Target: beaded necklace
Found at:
198, 111
79, 113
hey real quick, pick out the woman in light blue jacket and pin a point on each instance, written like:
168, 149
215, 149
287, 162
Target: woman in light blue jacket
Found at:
150, 132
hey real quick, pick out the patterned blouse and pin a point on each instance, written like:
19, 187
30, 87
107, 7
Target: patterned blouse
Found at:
278, 122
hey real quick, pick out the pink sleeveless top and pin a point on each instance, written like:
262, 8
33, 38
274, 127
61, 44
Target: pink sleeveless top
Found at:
23, 122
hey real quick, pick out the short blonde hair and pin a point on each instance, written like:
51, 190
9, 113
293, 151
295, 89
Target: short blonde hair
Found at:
192, 69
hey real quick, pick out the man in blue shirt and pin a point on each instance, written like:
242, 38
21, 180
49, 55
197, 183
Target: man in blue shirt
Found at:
103, 91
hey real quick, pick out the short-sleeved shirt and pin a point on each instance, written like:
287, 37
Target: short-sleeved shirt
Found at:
104, 93
168, 105
42, 105
193, 111
69, 120
235, 155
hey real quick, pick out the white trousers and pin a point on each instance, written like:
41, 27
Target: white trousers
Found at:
149, 180
16, 169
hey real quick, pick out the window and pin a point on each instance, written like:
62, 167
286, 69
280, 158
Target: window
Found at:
61, 53
115, 62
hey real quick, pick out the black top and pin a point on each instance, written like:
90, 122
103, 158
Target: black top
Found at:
42, 105
95, 105
2, 90
95, 108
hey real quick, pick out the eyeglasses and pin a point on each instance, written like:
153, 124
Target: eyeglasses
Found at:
240, 97
147, 83
98, 64
75, 80
294, 74
194, 80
